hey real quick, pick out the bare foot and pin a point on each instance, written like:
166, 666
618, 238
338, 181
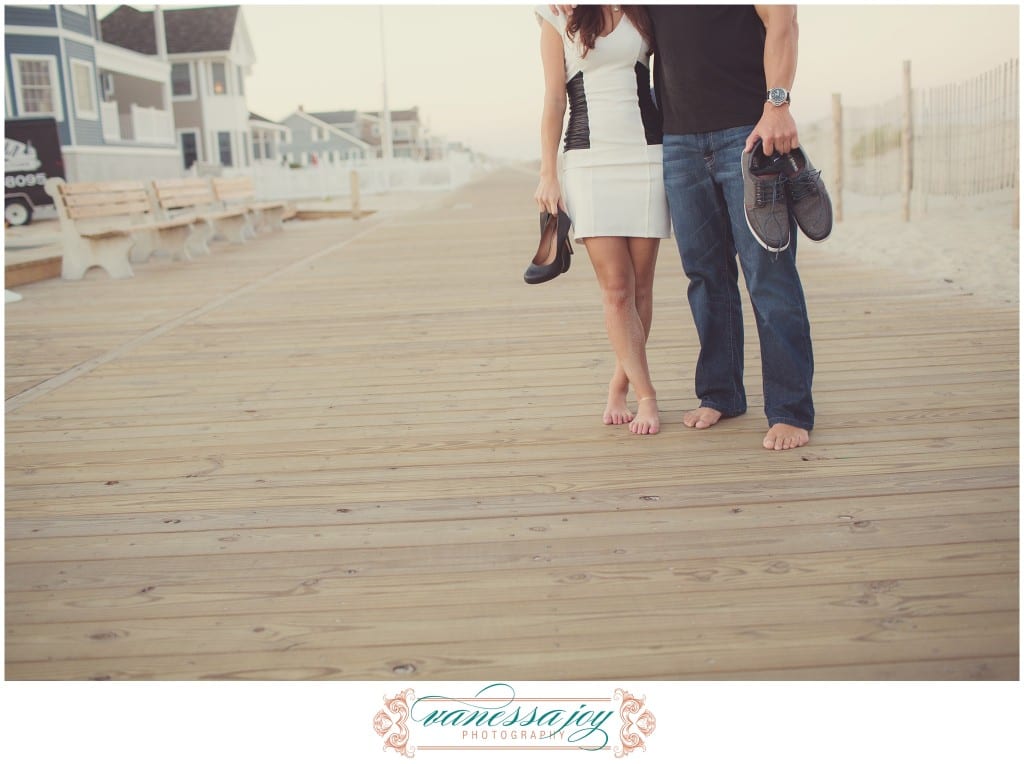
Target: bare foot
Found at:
701, 418
782, 437
617, 412
646, 421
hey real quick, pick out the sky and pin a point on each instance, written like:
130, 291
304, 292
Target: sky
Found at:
474, 70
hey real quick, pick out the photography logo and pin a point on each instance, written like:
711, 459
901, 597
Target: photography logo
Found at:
496, 719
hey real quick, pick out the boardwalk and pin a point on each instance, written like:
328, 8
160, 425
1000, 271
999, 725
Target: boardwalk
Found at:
366, 450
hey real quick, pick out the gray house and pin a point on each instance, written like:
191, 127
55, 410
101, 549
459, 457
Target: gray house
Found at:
314, 140
267, 138
112, 106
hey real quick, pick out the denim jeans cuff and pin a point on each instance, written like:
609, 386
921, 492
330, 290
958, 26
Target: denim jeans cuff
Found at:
723, 410
772, 421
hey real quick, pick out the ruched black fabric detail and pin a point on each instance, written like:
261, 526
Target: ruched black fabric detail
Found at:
649, 112
577, 132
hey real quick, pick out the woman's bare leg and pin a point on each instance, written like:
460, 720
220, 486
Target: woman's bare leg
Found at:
624, 269
644, 253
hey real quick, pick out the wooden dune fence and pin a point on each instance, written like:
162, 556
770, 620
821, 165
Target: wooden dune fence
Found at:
956, 139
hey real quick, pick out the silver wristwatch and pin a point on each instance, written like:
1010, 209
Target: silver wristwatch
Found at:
777, 96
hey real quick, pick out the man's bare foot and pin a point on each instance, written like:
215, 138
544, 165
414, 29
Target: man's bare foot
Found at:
646, 421
783, 437
701, 418
617, 412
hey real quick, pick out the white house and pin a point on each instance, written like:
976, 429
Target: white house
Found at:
210, 53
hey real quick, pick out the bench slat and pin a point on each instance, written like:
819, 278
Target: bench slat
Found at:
107, 210
106, 187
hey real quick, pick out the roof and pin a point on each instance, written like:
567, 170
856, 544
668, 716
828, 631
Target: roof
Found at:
254, 117
335, 117
405, 115
188, 30
334, 130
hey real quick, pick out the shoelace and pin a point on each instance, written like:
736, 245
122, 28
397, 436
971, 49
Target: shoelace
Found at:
769, 191
803, 185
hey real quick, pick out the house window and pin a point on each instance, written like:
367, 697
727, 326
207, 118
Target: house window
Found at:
189, 148
220, 78
224, 147
36, 86
83, 86
181, 80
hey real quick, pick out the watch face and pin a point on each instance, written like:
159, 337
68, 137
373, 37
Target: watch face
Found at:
778, 96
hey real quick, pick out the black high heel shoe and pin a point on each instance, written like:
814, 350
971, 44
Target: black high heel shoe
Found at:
554, 229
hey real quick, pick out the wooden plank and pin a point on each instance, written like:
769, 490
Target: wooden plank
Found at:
686, 649
108, 210
382, 451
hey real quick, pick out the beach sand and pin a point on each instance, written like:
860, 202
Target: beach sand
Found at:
967, 244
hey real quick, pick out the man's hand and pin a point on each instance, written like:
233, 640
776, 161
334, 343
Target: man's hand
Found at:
776, 129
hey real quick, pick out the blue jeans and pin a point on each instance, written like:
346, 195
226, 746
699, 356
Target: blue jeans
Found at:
705, 197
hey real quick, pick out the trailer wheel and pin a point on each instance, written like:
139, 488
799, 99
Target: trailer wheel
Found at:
17, 212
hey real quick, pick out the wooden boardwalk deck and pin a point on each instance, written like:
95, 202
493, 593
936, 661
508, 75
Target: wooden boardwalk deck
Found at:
366, 450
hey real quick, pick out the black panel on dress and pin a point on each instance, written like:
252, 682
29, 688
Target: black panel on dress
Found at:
577, 132
649, 112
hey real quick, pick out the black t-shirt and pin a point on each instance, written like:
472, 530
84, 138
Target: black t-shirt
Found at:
708, 66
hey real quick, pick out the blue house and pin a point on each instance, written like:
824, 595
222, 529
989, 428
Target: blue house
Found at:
323, 138
113, 106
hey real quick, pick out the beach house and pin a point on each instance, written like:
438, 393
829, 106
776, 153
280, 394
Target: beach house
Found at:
324, 137
209, 53
354, 134
112, 106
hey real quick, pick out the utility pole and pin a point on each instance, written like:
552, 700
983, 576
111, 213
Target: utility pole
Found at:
386, 145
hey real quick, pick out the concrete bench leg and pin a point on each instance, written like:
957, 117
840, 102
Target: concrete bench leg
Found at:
144, 244
273, 218
233, 229
198, 242
111, 254
173, 241
253, 224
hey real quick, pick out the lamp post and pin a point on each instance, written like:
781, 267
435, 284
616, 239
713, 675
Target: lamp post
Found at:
387, 148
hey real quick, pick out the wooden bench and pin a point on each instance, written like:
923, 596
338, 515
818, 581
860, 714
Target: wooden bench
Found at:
101, 223
174, 197
240, 190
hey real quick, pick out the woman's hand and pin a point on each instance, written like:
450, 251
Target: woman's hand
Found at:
549, 195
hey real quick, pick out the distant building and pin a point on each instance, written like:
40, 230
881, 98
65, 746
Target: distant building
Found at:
267, 137
112, 106
407, 133
354, 134
313, 140
210, 53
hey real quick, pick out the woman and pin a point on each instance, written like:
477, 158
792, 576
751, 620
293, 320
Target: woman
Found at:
613, 189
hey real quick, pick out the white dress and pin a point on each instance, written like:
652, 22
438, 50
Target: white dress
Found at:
612, 181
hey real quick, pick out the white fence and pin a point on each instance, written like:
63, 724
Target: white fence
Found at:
958, 139
330, 180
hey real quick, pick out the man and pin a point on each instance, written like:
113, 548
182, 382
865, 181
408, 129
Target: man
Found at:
715, 67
